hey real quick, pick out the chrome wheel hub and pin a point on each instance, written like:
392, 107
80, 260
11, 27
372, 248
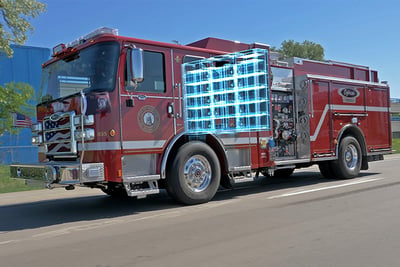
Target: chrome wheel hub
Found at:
351, 156
197, 173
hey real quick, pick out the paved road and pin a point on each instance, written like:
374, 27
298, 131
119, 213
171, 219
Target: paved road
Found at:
304, 220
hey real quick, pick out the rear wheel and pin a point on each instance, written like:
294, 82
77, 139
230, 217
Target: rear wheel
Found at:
194, 175
326, 169
348, 164
282, 173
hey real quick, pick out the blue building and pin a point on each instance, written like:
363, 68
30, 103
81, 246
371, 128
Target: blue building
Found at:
24, 66
395, 112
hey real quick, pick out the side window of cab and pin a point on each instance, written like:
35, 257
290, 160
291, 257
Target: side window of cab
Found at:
153, 73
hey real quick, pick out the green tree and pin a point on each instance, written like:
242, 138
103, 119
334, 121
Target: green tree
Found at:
307, 50
14, 25
13, 99
14, 21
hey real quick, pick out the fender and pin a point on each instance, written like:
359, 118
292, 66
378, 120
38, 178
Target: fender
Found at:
183, 137
351, 129
166, 154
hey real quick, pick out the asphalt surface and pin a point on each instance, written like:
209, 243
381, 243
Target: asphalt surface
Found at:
304, 220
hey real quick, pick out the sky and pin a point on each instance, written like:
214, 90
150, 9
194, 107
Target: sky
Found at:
365, 32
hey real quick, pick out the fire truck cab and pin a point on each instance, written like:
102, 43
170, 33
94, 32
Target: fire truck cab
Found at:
132, 116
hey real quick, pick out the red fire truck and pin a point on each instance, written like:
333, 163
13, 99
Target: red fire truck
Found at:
132, 116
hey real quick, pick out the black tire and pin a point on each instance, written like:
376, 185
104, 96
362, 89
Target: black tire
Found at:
326, 169
348, 164
194, 174
281, 173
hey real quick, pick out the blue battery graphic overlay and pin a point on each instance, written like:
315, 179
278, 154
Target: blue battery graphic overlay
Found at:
228, 93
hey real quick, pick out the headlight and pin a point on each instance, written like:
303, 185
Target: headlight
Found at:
87, 134
37, 140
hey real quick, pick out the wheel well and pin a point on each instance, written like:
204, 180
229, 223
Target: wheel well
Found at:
355, 132
210, 140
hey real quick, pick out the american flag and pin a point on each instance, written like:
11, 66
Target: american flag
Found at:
21, 120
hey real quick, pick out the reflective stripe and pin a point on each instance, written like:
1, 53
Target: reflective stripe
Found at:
379, 109
321, 120
239, 141
99, 146
143, 144
347, 107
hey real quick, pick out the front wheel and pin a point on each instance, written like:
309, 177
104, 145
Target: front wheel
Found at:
194, 175
348, 164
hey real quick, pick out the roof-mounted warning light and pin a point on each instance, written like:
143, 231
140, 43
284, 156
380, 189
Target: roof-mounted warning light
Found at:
99, 31
62, 48
58, 49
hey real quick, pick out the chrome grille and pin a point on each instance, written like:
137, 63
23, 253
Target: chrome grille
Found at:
58, 134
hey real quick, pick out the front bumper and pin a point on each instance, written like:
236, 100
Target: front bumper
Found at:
60, 173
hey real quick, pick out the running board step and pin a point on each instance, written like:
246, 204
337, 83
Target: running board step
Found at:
141, 188
142, 193
246, 177
139, 179
242, 179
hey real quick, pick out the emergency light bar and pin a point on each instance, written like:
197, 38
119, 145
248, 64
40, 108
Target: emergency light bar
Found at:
58, 49
61, 48
102, 30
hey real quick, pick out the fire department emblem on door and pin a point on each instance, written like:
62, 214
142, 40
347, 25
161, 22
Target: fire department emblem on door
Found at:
148, 119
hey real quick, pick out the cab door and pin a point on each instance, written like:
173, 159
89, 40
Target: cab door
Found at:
146, 123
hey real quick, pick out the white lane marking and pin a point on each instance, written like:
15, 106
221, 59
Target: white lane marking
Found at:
325, 188
9, 241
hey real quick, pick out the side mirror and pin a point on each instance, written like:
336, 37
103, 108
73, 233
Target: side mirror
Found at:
135, 68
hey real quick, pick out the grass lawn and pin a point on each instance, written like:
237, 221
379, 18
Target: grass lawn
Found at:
8, 184
396, 145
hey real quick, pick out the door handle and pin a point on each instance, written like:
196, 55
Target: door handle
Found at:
141, 97
171, 110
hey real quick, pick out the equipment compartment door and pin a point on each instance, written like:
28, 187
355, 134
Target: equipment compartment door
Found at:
302, 117
379, 130
348, 107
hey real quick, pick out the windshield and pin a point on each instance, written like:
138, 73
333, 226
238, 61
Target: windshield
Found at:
91, 69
